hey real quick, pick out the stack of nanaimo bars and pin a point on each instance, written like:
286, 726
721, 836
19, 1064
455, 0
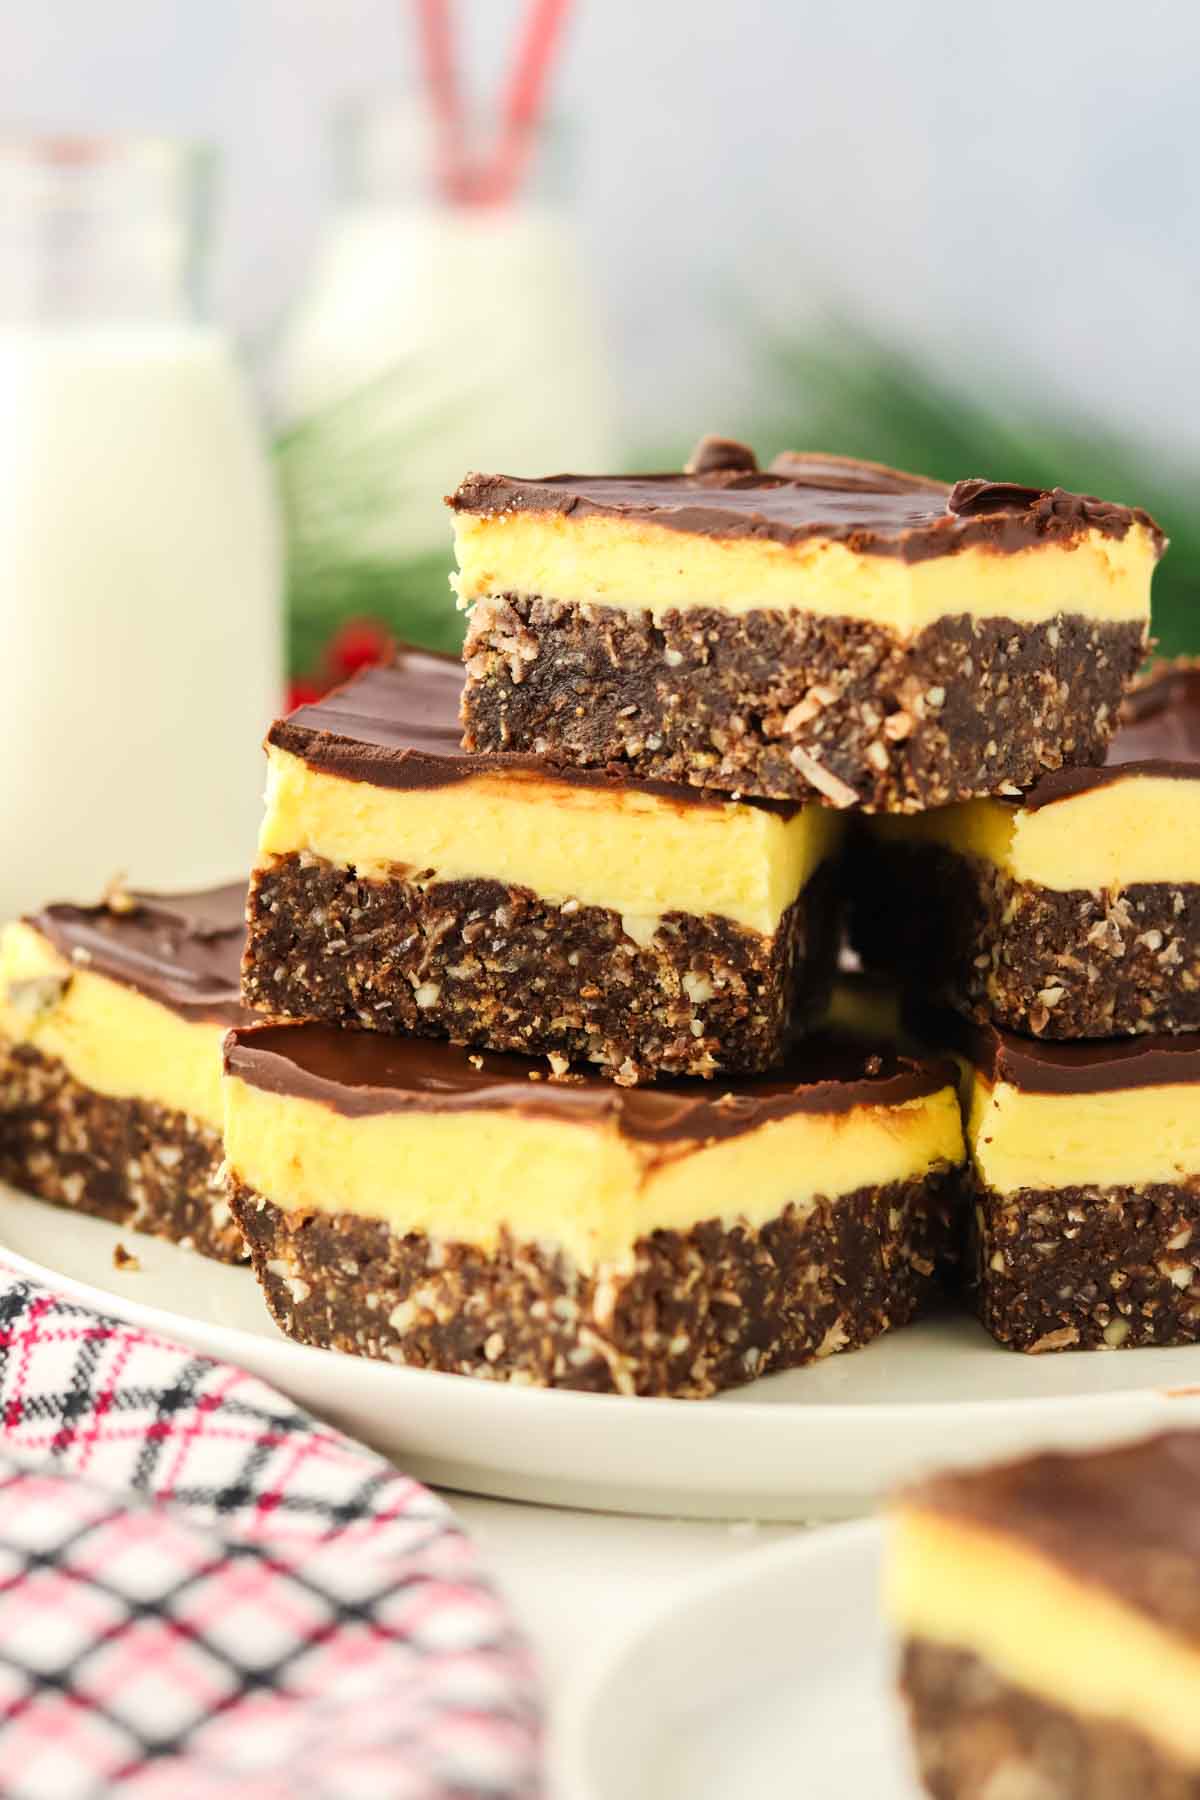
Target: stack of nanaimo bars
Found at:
1054, 938
533, 1075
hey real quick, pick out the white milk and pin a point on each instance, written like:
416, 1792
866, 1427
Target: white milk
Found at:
432, 340
139, 609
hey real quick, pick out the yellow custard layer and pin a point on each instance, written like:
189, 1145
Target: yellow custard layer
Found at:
1140, 828
641, 566
1062, 1640
579, 1187
1131, 1136
109, 1037
639, 854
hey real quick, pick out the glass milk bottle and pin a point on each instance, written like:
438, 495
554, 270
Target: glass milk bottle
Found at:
139, 543
436, 335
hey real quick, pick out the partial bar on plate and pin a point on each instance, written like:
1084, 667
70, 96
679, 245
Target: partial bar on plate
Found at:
1071, 913
403, 885
1048, 1614
825, 629
111, 1024
405, 1199
1085, 1183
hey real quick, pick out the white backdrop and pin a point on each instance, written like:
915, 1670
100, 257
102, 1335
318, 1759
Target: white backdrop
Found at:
1014, 185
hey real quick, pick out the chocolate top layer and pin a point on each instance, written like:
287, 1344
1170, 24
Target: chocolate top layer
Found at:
1126, 1519
874, 509
398, 727
395, 726
1044, 1066
1159, 735
365, 1073
183, 950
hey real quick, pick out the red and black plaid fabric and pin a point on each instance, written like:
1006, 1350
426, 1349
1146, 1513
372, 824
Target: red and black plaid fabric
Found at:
205, 1592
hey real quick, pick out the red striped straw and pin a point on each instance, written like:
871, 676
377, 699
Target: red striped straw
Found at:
437, 46
497, 182
525, 100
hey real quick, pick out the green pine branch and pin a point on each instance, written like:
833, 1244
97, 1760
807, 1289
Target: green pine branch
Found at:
341, 471
847, 391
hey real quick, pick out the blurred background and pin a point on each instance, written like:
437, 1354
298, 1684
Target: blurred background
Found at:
964, 239
527, 234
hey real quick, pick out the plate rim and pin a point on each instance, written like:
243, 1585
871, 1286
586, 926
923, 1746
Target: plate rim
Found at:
229, 1339
567, 1753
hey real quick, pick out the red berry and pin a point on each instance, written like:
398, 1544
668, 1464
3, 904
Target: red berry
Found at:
358, 644
302, 693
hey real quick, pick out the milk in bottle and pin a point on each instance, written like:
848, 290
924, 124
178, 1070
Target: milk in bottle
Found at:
139, 547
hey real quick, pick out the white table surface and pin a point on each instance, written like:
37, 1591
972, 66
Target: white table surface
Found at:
578, 1582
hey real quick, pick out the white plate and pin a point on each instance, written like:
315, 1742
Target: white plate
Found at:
815, 1443
772, 1677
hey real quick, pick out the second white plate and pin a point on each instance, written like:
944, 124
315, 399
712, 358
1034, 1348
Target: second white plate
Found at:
815, 1443
771, 1677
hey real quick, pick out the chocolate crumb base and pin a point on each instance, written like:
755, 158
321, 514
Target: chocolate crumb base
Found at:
495, 966
794, 706
695, 1311
1067, 965
1087, 1268
978, 1737
130, 1161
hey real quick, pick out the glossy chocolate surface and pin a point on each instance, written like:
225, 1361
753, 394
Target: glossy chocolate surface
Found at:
405, 712
365, 1073
1049, 1066
873, 509
183, 950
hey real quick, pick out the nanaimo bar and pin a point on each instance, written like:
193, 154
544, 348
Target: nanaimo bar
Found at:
406, 1199
1071, 913
111, 1023
405, 885
826, 628
1085, 1183
1048, 1616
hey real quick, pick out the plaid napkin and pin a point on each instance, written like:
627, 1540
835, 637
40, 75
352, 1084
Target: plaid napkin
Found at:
204, 1592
